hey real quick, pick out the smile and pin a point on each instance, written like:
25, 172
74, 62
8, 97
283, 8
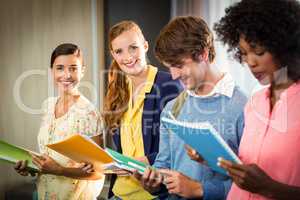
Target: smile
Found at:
131, 65
66, 83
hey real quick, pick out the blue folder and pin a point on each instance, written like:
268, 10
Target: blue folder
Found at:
204, 139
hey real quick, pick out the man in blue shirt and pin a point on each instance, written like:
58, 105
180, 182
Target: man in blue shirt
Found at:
185, 46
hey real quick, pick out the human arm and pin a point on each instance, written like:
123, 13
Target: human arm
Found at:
48, 165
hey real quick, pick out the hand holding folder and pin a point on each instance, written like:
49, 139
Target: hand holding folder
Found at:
202, 137
83, 149
12, 154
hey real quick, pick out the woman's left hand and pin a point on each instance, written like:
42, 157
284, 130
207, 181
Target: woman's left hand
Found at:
87, 168
47, 165
248, 177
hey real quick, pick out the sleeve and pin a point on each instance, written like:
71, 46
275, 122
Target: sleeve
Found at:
163, 157
151, 157
216, 188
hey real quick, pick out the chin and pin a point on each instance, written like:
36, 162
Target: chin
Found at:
68, 89
264, 81
134, 72
188, 87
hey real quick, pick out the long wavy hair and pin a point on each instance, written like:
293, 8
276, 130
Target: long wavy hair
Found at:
117, 96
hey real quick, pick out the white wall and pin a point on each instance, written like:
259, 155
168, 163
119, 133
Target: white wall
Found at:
29, 31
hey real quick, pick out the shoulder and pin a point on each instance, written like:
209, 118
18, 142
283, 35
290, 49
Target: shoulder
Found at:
86, 107
236, 104
49, 104
169, 105
239, 97
256, 99
164, 81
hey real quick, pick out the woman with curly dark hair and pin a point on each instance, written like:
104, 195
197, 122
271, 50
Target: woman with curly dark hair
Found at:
265, 34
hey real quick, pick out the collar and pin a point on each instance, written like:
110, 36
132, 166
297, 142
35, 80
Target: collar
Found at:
225, 87
152, 71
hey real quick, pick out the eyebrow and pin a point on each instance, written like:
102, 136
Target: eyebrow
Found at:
256, 46
72, 65
119, 49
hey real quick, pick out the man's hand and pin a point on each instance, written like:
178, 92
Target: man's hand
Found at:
150, 180
181, 185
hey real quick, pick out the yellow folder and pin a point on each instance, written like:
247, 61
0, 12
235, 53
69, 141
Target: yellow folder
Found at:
82, 149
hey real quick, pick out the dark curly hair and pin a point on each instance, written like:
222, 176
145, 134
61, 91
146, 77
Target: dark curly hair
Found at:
271, 24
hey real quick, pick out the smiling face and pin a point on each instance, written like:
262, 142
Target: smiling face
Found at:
260, 61
67, 71
129, 51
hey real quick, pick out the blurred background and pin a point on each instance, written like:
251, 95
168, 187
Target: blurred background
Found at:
31, 29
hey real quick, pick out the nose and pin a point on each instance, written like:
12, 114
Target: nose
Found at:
127, 57
175, 72
67, 73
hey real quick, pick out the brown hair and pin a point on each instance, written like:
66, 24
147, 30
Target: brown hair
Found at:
66, 49
117, 96
184, 37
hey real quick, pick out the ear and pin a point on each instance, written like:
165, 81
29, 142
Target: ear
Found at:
112, 53
204, 56
146, 46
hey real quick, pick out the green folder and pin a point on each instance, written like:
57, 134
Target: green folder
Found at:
11, 154
126, 162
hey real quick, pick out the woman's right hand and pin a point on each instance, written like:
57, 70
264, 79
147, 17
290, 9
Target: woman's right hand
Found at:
20, 167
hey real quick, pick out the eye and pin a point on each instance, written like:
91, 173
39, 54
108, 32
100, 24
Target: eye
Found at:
118, 51
260, 52
134, 47
177, 65
73, 69
59, 67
